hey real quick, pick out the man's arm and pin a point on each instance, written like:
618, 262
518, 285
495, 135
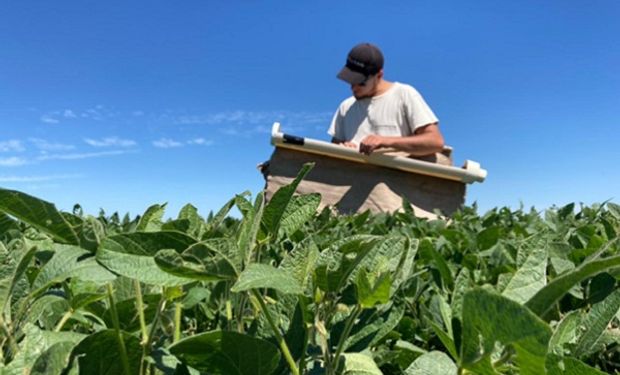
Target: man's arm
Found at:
426, 140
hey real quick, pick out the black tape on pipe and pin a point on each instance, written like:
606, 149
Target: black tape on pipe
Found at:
293, 139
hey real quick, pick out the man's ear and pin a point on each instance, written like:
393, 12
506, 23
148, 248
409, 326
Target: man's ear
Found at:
380, 74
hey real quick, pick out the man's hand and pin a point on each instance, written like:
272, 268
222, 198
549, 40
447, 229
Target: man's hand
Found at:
344, 143
371, 143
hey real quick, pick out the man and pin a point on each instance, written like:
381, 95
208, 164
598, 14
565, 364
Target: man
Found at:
382, 114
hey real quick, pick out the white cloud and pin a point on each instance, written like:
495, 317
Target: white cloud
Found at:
12, 145
222, 118
263, 129
248, 123
231, 131
97, 113
200, 141
69, 113
48, 119
93, 114
167, 143
28, 179
86, 155
110, 142
12, 161
45, 145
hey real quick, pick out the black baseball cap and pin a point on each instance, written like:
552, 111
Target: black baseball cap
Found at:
364, 60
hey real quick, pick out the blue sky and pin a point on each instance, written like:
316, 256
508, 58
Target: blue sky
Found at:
119, 105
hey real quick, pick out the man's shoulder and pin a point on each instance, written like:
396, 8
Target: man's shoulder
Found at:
347, 103
405, 88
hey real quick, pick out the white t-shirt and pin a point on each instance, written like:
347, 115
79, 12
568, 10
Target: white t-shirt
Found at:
397, 112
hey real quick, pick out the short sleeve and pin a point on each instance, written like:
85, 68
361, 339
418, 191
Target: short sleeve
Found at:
418, 112
335, 129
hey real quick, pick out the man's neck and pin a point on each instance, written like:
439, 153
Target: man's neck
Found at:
382, 87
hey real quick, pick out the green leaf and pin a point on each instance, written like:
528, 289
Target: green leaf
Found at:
274, 211
34, 344
595, 324
250, 226
445, 339
338, 266
53, 360
336, 269
132, 255
565, 211
300, 209
6, 223
151, 219
557, 365
227, 353
462, 284
128, 314
546, 298
38, 213
565, 332
373, 326
84, 299
404, 270
226, 247
196, 223
142, 268
530, 278
243, 205
42, 308
600, 287
71, 261
614, 209
257, 276
488, 237
213, 223
179, 225
194, 296
359, 364
432, 363
99, 353
372, 290
297, 336
15, 272
427, 249
441, 312
300, 262
490, 317
213, 268
89, 230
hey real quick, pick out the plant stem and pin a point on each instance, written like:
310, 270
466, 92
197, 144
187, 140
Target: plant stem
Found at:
307, 330
7, 333
149, 337
121, 342
64, 320
241, 304
140, 308
177, 321
276, 332
160, 308
345, 334
302, 360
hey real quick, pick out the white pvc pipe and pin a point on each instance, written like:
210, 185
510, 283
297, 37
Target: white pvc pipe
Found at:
471, 171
